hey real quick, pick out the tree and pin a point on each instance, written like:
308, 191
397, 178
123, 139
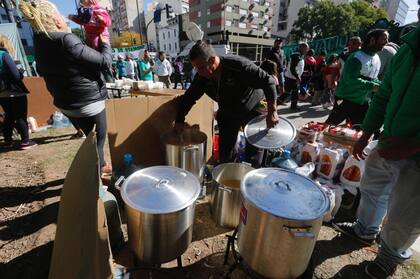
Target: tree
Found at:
326, 19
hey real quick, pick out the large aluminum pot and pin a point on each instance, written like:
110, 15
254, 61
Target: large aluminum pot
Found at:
186, 150
226, 198
281, 217
160, 204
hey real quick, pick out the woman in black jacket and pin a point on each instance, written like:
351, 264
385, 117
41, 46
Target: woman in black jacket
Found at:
71, 69
13, 97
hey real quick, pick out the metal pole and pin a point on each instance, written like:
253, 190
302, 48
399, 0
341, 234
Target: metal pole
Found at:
138, 20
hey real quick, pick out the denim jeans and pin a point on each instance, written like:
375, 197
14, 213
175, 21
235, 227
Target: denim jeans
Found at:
393, 187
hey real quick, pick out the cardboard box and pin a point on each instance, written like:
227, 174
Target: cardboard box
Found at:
40, 101
135, 125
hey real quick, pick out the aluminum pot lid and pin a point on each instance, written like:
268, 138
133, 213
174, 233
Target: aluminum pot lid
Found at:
258, 135
160, 190
285, 194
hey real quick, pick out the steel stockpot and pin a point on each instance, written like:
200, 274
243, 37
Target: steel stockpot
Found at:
186, 150
280, 219
226, 198
160, 204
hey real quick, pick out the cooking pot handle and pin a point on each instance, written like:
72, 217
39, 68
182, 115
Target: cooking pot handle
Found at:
301, 232
190, 147
278, 184
225, 189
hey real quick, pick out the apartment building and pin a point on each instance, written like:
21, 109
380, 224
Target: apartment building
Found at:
286, 13
244, 24
397, 9
164, 36
128, 15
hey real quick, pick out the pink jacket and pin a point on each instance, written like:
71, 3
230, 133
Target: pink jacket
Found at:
98, 24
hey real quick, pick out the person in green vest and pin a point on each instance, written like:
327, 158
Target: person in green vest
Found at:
145, 68
359, 80
390, 183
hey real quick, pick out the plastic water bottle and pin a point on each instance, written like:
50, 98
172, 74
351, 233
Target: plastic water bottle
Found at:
285, 161
129, 166
241, 147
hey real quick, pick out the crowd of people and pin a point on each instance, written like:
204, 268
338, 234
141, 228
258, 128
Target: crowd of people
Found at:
159, 68
372, 86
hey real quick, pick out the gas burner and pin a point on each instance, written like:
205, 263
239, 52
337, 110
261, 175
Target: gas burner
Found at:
239, 262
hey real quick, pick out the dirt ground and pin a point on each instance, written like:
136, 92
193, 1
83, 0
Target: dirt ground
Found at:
30, 185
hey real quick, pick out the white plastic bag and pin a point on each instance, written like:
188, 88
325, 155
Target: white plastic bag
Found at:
335, 194
309, 153
329, 162
352, 172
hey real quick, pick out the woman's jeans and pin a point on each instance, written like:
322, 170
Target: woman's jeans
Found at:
393, 187
99, 122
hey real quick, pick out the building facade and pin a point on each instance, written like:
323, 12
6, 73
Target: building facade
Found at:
25, 30
397, 9
128, 15
286, 13
243, 24
165, 35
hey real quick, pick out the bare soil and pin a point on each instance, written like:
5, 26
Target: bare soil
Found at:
30, 186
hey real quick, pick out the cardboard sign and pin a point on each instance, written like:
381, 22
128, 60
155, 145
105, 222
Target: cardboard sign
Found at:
81, 246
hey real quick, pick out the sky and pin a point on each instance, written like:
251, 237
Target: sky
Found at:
68, 7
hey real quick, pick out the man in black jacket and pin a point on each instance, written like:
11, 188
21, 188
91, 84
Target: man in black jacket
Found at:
237, 85
276, 55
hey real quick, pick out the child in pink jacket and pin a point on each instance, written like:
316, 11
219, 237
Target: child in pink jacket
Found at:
95, 20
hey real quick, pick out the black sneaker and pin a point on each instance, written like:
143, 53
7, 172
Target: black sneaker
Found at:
376, 270
348, 229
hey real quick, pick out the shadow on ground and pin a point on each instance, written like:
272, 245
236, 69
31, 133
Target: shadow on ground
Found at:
14, 196
32, 265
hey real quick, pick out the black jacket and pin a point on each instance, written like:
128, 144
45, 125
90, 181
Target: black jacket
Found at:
71, 69
242, 85
11, 75
277, 55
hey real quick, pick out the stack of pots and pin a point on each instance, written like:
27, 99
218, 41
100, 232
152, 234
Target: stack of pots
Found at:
225, 198
160, 205
280, 219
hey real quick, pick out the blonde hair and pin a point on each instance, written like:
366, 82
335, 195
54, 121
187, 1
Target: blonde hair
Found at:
7, 44
40, 14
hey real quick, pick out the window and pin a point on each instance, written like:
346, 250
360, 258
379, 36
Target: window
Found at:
199, 13
228, 23
236, 9
229, 9
164, 47
169, 34
170, 47
176, 46
208, 11
175, 33
208, 24
242, 12
242, 25
163, 36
